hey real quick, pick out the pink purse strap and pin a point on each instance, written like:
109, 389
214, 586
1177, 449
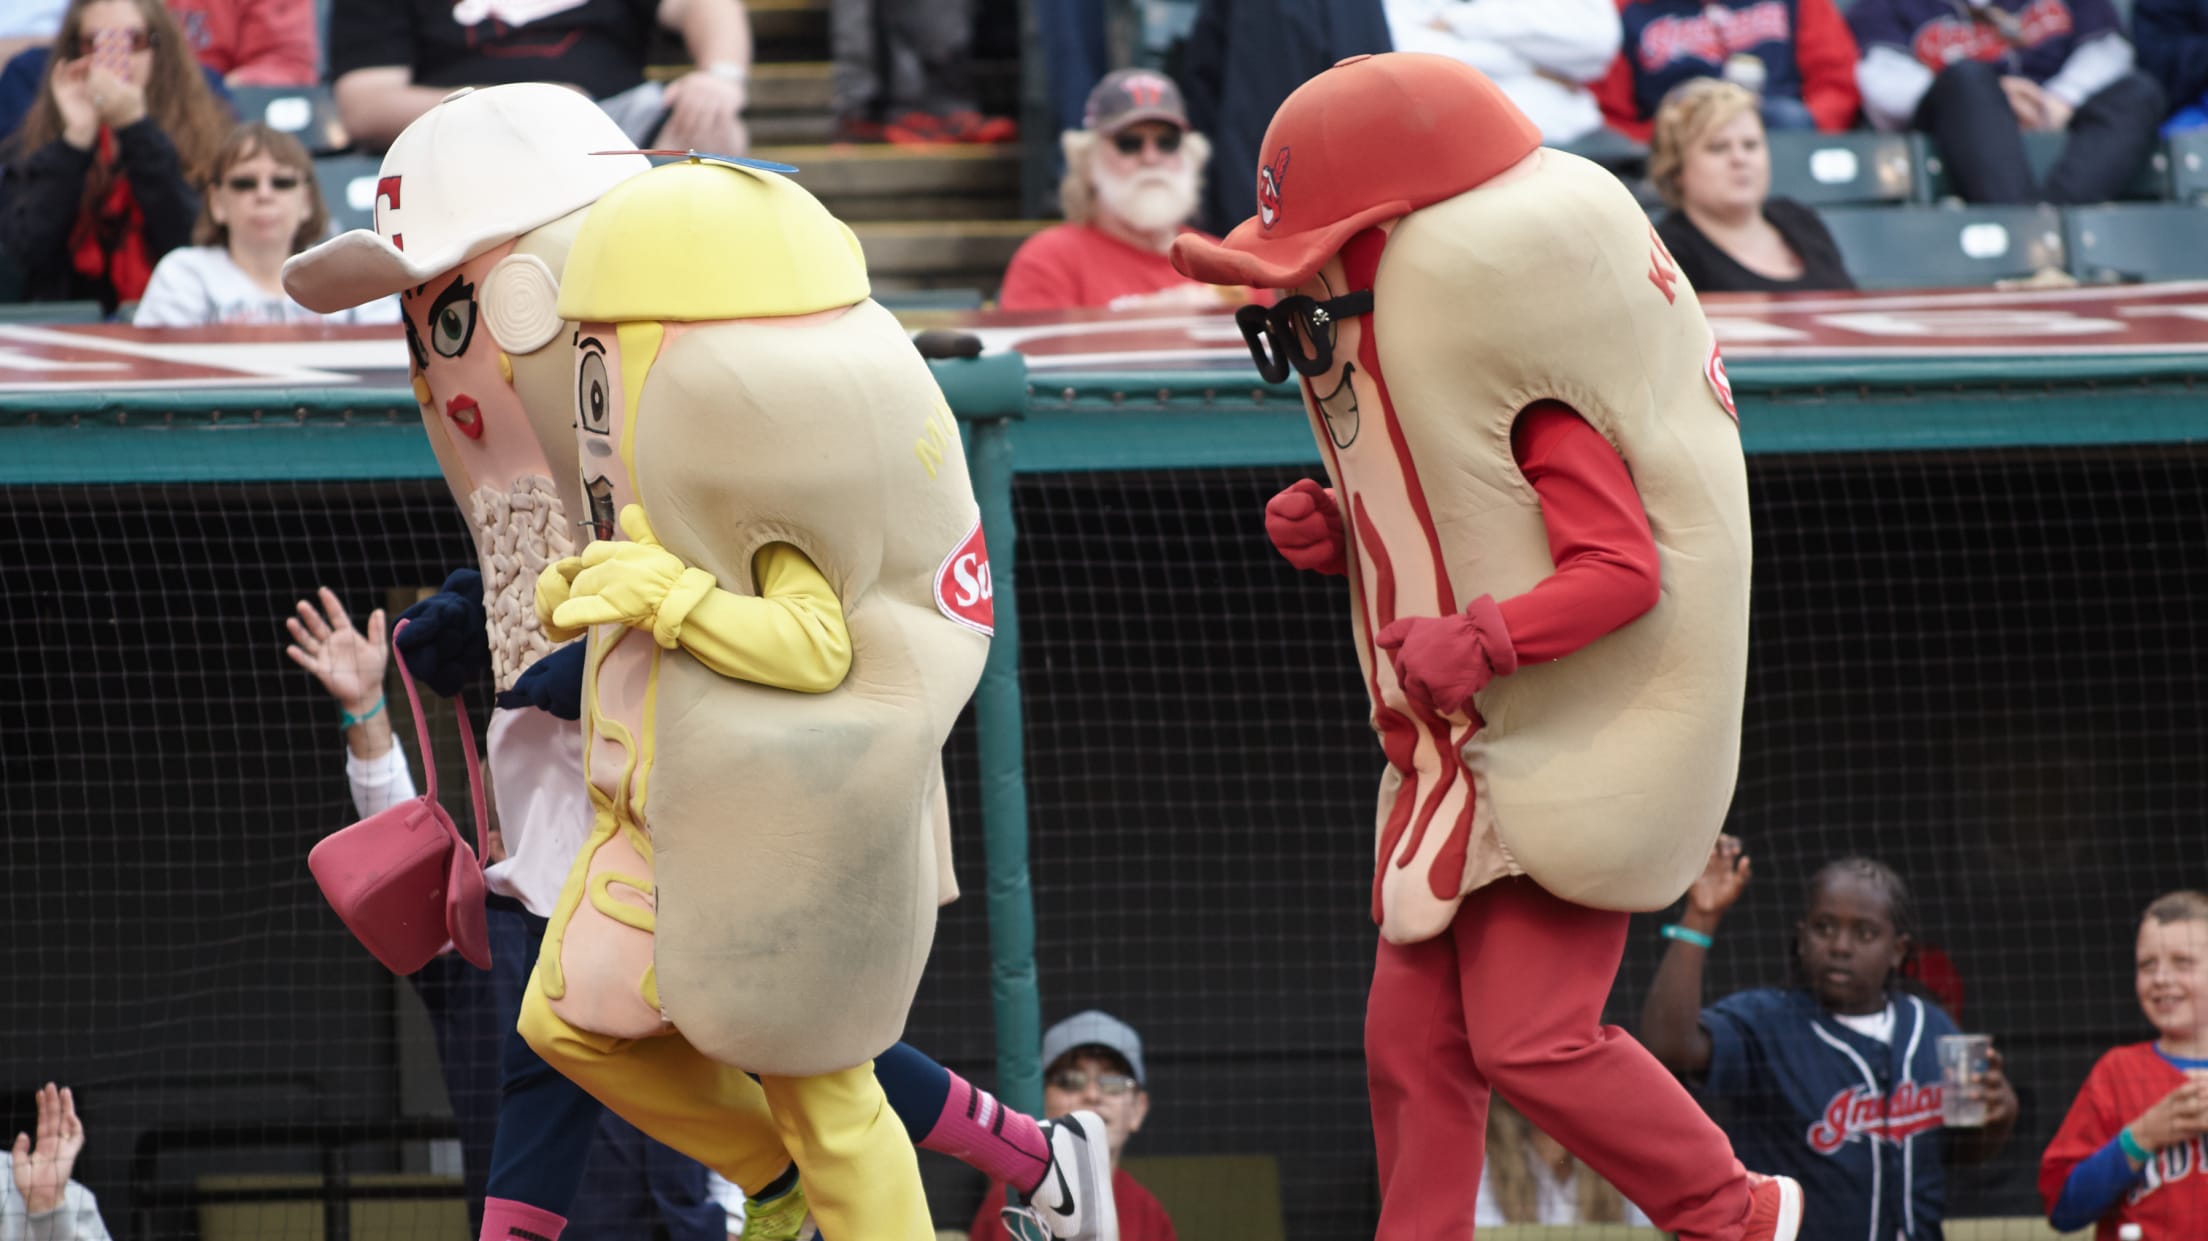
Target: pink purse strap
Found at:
429, 757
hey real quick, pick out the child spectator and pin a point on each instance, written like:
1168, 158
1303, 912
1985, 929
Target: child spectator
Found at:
1977, 77
1796, 56
1836, 1079
100, 182
1527, 1177
1724, 230
1092, 1061
261, 207
2130, 1151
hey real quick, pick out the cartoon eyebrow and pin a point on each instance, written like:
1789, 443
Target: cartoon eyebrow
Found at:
588, 342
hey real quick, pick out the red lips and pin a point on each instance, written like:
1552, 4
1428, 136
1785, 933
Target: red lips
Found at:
465, 415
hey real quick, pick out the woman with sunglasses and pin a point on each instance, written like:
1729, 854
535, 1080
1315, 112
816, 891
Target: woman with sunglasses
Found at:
99, 185
262, 206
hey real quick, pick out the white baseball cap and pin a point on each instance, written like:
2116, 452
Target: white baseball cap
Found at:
479, 169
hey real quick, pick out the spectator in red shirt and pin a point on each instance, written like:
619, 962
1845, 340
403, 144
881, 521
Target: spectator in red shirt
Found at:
1093, 1060
1134, 175
252, 42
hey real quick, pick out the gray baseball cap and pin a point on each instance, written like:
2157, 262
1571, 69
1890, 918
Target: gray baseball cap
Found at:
1096, 1028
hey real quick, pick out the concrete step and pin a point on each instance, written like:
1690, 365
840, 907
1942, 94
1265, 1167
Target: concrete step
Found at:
861, 182
782, 29
804, 85
942, 253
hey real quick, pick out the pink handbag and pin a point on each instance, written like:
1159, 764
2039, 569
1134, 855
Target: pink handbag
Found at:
404, 880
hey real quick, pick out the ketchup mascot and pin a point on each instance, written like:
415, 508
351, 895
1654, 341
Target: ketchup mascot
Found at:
1540, 505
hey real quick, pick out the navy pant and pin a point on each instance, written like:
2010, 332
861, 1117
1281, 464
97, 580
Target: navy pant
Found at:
1972, 126
530, 1135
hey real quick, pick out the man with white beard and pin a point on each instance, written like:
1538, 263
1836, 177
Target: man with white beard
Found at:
1134, 172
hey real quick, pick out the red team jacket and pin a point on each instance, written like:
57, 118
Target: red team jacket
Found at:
2171, 1196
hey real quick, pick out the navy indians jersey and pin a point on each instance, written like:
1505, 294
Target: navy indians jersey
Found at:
1856, 1121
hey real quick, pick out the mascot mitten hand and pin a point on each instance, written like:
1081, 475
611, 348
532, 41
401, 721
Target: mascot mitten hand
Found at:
443, 643
1306, 526
1442, 661
553, 684
553, 587
638, 583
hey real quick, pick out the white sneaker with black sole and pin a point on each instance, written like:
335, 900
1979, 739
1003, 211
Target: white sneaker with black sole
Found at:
1074, 1202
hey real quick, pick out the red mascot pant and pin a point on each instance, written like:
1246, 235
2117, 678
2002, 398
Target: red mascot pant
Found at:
1510, 998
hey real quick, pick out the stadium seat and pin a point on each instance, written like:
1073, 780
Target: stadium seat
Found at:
2150, 184
1944, 247
929, 299
2141, 241
348, 185
2189, 166
1216, 1195
305, 112
50, 312
1828, 170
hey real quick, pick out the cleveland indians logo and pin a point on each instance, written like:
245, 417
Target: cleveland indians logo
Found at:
1269, 178
1860, 1113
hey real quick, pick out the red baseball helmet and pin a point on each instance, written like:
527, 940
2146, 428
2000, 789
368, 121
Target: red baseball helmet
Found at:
1371, 139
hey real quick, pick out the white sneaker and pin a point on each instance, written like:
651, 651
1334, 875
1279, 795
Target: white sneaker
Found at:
1074, 1202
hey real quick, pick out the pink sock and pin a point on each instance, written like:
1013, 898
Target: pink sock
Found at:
507, 1220
977, 1130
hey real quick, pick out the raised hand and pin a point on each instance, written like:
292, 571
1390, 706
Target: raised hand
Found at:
1722, 880
349, 664
42, 1171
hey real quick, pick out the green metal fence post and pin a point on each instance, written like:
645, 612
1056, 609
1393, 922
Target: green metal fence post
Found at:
988, 394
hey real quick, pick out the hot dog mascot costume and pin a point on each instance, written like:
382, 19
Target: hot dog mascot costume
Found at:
1539, 501
776, 657
479, 202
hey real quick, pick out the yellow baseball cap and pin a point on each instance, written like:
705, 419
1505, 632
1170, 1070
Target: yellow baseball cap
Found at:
703, 239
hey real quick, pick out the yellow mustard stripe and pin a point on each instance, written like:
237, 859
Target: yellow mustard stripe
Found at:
602, 900
639, 349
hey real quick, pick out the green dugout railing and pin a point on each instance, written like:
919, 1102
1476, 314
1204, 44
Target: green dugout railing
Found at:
1017, 423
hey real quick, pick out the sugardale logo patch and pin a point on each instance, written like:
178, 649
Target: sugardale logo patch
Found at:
964, 590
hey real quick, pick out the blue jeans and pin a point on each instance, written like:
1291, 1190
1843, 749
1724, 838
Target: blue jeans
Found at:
1784, 112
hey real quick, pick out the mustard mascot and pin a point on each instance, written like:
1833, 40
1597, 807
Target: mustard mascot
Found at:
1539, 503
777, 652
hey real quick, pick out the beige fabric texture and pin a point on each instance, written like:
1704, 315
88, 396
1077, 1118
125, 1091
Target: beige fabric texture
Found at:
1605, 775
800, 841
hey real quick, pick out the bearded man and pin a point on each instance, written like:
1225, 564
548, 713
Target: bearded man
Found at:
1134, 173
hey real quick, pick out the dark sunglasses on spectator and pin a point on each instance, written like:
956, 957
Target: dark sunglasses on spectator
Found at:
1297, 332
245, 185
1130, 143
140, 40
1074, 1081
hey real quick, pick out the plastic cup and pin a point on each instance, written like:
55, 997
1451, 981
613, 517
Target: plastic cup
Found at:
1963, 1057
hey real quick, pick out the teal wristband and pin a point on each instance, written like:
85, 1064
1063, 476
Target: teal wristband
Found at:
347, 719
2136, 1153
1687, 935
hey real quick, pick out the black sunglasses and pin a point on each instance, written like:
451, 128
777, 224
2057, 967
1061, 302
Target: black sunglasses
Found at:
1130, 143
1297, 332
246, 185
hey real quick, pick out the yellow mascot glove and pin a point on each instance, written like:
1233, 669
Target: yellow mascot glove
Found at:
553, 587
628, 582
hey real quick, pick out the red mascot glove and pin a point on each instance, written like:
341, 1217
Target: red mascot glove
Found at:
1442, 661
1306, 526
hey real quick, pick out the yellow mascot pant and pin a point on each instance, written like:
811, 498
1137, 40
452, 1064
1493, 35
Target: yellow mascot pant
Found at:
852, 1153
